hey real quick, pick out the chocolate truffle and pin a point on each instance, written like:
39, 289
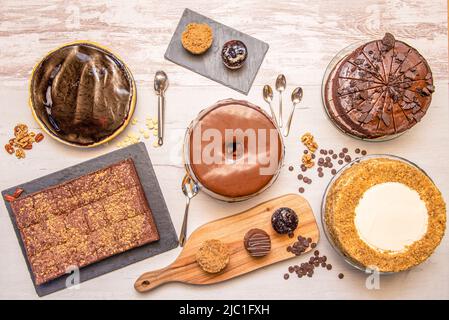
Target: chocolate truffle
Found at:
234, 54
284, 220
257, 242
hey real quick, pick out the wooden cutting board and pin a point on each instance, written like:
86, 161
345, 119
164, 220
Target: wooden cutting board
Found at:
231, 231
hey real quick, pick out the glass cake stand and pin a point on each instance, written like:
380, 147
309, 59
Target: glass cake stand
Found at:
330, 67
328, 235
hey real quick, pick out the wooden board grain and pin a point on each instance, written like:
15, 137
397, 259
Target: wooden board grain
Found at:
231, 231
209, 64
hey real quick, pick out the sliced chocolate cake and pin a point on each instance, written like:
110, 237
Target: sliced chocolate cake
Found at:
382, 88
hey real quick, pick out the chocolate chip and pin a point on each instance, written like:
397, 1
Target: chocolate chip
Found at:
291, 269
320, 174
306, 151
290, 168
316, 253
329, 267
357, 150
341, 155
286, 276
334, 172
364, 152
334, 156
340, 162
313, 245
341, 276
331, 152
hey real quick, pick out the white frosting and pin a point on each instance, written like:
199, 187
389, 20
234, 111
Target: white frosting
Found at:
390, 216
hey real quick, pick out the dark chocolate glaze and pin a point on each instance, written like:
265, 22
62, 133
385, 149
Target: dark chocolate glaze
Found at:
382, 88
82, 93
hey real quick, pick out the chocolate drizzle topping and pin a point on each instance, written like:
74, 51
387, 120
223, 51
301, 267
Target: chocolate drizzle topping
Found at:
384, 87
82, 93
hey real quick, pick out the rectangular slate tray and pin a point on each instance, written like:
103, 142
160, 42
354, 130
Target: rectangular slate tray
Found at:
168, 237
210, 64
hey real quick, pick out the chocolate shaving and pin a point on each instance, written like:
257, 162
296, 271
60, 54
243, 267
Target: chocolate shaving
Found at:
388, 41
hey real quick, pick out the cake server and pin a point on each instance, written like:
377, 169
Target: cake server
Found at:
160, 85
268, 97
190, 189
296, 98
281, 83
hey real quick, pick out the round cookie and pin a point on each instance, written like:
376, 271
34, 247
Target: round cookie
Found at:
197, 38
213, 256
257, 242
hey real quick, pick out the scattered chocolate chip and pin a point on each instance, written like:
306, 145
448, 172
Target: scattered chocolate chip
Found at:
300, 176
290, 168
364, 152
334, 156
357, 150
340, 162
333, 172
316, 253
301, 190
329, 267
291, 269
320, 174
345, 150
313, 245
341, 155
286, 276
341, 276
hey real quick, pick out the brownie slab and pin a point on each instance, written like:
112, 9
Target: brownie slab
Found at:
84, 220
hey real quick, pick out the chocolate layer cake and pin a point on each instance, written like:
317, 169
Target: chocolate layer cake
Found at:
84, 220
82, 93
382, 88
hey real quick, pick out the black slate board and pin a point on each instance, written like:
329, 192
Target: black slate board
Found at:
210, 63
168, 237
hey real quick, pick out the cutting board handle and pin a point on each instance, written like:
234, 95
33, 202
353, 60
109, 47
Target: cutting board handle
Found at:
153, 279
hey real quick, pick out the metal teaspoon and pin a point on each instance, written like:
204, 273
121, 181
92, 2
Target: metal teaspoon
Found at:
160, 85
297, 95
268, 97
190, 189
281, 83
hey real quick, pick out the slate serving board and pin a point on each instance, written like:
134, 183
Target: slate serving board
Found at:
168, 237
210, 63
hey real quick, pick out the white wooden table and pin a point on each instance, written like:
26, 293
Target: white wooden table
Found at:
303, 37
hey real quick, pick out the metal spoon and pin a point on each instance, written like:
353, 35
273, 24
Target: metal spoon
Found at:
281, 83
190, 189
160, 85
268, 97
296, 98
